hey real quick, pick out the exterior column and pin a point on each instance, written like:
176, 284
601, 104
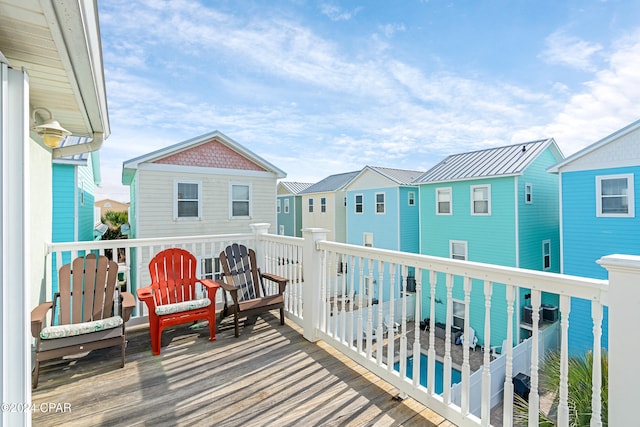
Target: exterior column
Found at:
15, 286
624, 318
259, 229
312, 264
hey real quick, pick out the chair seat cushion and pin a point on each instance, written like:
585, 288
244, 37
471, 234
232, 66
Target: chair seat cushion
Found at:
62, 331
179, 307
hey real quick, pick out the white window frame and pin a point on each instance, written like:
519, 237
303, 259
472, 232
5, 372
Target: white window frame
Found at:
528, 193
286, 206
457, 313
411, 198
356, 204
281, 229
176, 201
381, 205
546, 255
278, 206
449, 192
472, 192
367, 239
457, 255
310, 204
231, 200
81, 192
630, 196
323, 204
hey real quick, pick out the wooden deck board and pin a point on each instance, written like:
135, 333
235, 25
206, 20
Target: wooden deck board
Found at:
270, 375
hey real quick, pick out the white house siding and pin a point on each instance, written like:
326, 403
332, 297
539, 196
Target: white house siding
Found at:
369, 180
319, 219
155, 203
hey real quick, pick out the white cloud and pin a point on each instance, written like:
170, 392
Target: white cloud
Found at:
570, 50
390, 29
336, 13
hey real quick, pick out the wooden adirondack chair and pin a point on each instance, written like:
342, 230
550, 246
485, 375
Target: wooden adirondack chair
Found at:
171, 298
83, 314
244, 283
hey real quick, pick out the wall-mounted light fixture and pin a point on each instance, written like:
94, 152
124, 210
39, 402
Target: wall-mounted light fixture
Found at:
50, 130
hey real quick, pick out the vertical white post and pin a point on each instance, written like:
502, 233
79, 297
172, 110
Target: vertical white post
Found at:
15, 283
624, 315
259, 229
312, 267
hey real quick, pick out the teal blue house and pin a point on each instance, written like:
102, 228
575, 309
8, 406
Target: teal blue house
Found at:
74, 181
289, 207
497, 206
599, 185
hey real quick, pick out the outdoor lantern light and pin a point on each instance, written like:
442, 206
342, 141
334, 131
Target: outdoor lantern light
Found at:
50, 131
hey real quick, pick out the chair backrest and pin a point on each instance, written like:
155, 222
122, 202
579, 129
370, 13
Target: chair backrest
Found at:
240, 270
86, 289
173, 276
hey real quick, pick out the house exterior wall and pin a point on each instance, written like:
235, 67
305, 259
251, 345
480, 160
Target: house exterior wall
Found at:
409, 220
587, 237
329, 219
85, 198
64, 198
155, 202
383, 226
288, 219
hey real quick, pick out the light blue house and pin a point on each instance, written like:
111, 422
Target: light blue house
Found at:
496, 206
599, 217
74, 180
289, 208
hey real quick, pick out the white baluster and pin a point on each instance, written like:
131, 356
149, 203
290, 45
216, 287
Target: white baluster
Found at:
507, 412
391, 345
417, 347
486, 371
446, 378
380, 330
596, 377
431, 364
563, 404
466, 369
534, 397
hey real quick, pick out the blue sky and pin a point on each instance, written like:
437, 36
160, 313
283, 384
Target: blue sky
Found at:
324, 87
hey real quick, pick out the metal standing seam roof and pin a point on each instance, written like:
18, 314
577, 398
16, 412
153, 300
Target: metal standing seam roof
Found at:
501, 161
76, 158
295, 187
331, 183
399, 176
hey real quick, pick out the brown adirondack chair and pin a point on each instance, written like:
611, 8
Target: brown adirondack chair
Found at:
244, 283
83, 314
171, 298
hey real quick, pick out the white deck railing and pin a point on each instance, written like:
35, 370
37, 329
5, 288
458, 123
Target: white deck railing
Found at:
333, 291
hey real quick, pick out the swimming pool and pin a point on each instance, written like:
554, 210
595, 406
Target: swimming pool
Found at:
456, 376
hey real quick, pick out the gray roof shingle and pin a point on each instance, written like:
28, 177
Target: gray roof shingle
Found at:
331, 183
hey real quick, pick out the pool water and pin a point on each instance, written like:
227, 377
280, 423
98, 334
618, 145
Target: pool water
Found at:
456, 376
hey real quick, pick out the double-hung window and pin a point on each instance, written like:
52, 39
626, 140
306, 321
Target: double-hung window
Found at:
359, 203
286, 206
480, 200
546, 254
458, 314
187, 200
310, 205
411, 198
615, 197
240, 201
323, 204
458, 249
278, 206
528, 193
443, 201
380, 208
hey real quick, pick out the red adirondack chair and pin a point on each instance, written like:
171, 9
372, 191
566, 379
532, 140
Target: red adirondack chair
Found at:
171, 298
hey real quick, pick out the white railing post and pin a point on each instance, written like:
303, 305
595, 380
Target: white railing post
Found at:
312, 267
624, 316
259, 229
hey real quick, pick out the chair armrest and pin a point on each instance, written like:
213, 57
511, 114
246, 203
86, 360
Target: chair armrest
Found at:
146, 294
128, 304
281, 281
212, 288
229, 288
37, 317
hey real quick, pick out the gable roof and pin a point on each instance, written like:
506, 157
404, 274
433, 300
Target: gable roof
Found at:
635, 126
399, 176
295, 187
331, 183
509, 160
129, 167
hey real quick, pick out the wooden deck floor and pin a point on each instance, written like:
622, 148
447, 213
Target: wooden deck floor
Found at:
269, 376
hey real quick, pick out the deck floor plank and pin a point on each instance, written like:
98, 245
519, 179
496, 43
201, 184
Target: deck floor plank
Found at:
269, 376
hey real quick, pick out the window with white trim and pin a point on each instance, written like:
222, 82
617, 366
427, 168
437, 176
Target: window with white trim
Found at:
480, 200
240, 200
411, 198
359, 203
278, 205
458, 313
546, 254
286, 206
187, 200
281, 230
310, 205
443, 201
528, 193
367, 239
81, 193
458, 249
615, 196
380, 205
323, 204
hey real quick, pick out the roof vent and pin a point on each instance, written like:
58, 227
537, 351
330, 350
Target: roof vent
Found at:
524, 148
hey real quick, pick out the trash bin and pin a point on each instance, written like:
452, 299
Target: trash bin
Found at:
522, 385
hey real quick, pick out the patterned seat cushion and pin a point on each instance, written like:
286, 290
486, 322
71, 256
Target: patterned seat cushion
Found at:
62, 331
182, 306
